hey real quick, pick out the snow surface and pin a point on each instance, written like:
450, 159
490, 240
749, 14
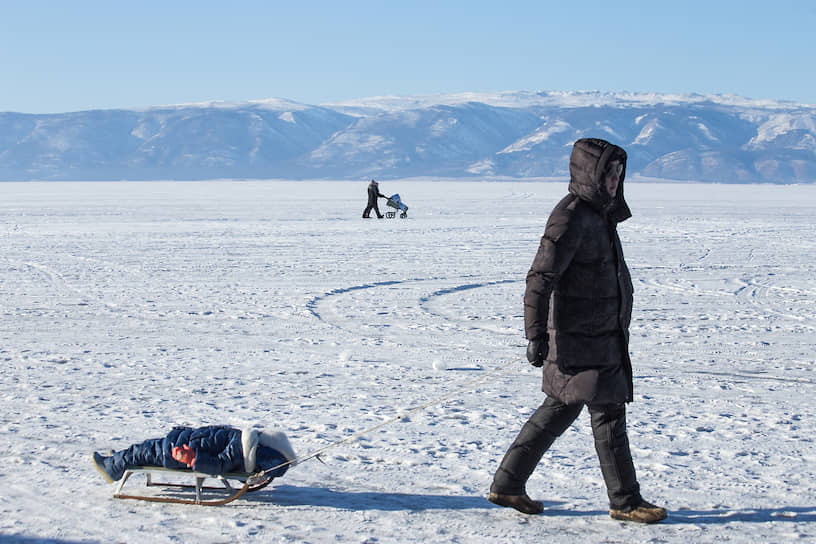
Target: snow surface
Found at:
132, 307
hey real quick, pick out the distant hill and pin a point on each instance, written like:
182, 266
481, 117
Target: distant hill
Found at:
709, 138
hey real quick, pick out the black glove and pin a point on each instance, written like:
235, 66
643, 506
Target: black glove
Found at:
537, 351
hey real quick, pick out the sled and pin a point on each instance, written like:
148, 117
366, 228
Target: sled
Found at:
251, 482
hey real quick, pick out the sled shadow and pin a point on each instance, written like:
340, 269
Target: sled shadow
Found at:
287, 495
791, 514
21, 539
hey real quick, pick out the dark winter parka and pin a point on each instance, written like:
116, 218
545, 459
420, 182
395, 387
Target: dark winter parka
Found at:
218, 449
373, 193
579, 292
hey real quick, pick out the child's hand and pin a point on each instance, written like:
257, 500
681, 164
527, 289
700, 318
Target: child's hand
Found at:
184, 454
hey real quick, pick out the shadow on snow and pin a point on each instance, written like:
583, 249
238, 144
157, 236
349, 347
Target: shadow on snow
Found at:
795, 514
286, 495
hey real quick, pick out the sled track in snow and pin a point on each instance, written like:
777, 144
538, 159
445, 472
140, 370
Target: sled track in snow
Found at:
743, 376
312, 305
127, 280
62, 285
468, 322
414, 314
757, 292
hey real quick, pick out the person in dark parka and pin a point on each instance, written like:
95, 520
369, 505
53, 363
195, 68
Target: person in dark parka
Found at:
577, 309
373, 194
215, 449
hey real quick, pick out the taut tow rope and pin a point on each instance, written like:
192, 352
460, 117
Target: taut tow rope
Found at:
467, 386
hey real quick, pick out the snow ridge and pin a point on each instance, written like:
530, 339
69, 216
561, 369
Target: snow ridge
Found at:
702, 137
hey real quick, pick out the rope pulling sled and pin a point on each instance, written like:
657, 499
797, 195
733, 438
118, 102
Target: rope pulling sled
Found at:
261, 479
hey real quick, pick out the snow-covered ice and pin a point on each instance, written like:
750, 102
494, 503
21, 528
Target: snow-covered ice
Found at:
132, 307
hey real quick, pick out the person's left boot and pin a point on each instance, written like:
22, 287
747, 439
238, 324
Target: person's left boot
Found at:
644, 512
99, 463
522, 503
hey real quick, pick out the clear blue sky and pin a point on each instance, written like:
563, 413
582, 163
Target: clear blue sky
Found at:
72, 55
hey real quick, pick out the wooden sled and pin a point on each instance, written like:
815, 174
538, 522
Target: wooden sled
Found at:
251, 482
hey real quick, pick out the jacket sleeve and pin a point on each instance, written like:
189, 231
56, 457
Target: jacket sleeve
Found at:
561, 240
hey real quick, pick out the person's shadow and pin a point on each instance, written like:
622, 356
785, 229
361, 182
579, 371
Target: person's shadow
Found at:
790, 514
288, 495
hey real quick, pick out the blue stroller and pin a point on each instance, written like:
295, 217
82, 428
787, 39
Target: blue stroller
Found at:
395, 202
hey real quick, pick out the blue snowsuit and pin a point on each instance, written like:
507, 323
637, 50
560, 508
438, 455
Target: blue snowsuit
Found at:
218, 450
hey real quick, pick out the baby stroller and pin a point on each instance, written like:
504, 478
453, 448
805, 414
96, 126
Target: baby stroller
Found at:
395, 202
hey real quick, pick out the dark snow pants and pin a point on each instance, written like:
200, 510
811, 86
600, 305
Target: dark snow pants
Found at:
549, 422
375, 207
150, 453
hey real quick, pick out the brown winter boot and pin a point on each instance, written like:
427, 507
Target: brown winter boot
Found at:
643, 513
522, 503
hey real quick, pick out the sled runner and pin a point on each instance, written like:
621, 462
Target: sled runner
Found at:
395, 202
251, 482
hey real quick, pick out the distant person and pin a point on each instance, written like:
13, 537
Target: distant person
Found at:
577, 309
373, 194
216, 449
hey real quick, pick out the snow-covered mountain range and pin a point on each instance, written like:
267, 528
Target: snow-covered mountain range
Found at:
711, 138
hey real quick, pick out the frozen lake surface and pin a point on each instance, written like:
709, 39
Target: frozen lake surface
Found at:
129, 308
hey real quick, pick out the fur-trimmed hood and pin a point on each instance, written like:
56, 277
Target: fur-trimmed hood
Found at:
276, 440
587, 164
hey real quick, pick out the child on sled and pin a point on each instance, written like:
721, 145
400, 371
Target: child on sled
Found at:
215, 450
